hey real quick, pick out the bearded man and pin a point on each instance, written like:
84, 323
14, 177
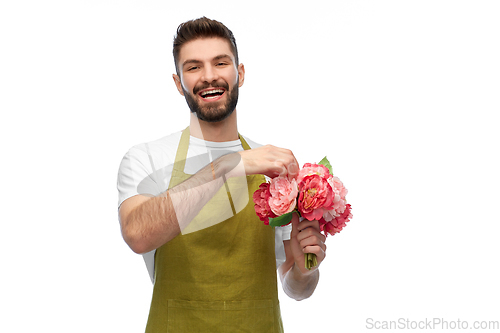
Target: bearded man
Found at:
185, 204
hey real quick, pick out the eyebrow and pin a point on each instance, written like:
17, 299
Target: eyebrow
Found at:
194, 61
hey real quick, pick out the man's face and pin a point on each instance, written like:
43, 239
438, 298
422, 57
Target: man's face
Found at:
209, 78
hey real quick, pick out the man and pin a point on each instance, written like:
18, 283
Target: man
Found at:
213, 262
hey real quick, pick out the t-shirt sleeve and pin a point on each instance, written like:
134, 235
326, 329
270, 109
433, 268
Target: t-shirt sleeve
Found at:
135, 175
281, 234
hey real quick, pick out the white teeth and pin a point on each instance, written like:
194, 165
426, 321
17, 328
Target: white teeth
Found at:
212, 92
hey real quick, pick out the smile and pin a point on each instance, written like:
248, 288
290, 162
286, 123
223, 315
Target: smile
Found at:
212, 94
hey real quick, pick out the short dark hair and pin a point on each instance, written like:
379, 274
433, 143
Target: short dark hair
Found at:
202, 28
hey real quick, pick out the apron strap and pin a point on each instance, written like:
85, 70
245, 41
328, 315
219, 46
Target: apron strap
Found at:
244, 144
181, 154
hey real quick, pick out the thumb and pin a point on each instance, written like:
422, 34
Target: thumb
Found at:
295, 224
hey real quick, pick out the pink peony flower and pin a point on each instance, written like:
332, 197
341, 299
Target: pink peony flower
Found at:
315, 196
283, 195
312, 169
346, 215
261, 201
336, 224
316, 193
338, 187
339, 200
329, 215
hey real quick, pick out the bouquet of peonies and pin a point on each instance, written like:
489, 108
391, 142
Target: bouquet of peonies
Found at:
315, 195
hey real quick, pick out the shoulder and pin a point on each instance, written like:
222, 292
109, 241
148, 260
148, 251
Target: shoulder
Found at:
161, 145
166, 145
146, 166
145, 158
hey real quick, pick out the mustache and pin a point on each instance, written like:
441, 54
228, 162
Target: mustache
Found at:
209, 85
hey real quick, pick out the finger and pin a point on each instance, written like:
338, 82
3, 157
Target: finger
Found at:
292, 165
310, 232
310, 237
295, 225
312, 241
306, 224
318, 251
293, 168
285, 162
285, 167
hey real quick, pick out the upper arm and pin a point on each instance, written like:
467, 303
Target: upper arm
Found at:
135, 182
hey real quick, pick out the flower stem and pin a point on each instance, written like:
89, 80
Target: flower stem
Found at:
310, 261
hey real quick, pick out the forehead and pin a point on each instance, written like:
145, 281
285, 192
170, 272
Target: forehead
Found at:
205, 49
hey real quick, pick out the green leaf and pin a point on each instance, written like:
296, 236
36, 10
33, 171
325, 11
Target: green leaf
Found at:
280, 220
326, 163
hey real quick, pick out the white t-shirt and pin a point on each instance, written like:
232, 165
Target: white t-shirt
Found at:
147, 167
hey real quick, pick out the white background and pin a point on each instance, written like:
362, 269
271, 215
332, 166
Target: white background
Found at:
402, 96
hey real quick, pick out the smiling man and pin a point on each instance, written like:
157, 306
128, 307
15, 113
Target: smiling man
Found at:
185, 204
213, 86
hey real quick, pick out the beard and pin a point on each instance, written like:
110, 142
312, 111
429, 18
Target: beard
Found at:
216, 112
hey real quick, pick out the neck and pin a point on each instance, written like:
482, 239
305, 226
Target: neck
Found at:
226, 130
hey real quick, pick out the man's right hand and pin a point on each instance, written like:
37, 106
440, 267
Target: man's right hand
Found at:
270, 161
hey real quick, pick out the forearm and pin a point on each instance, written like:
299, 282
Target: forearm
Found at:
161, 218
297, 285
150, 224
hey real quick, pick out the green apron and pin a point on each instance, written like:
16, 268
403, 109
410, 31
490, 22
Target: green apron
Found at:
218, 279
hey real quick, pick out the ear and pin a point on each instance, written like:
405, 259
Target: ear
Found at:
241, 74
178, 83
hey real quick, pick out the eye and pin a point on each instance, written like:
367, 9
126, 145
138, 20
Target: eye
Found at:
221, 64
192, 68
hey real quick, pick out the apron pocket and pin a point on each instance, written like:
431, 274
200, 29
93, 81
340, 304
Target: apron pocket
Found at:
252, 316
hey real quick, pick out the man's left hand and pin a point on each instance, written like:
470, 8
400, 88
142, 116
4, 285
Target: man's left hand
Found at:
306, 238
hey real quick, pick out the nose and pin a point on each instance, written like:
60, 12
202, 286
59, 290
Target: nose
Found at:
209, 74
